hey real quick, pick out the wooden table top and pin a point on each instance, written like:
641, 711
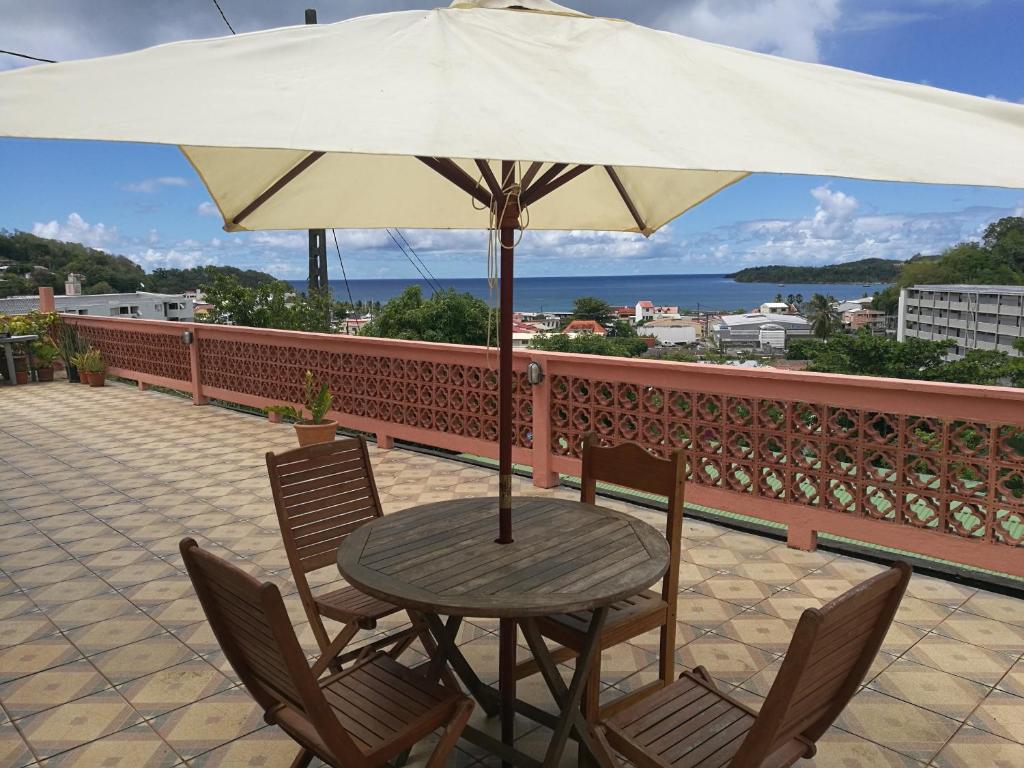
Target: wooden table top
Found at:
442, 558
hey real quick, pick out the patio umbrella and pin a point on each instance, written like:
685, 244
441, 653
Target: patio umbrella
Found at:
503, 114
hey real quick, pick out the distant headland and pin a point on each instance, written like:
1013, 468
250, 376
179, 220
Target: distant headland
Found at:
863, 271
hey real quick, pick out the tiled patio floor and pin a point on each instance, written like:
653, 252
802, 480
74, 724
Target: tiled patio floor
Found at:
105, 659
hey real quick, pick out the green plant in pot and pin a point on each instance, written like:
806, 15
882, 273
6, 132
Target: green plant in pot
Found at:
70, 345
44, 352
31, 324
91, 367
317, 401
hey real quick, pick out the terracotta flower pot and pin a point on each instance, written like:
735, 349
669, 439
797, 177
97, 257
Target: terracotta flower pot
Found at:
312, 434
45, 373
97, 378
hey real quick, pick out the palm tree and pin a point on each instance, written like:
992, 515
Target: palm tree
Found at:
822, 313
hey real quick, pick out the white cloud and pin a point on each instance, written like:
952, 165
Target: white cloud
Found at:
791, 28
148, 186
75, 229
206, 208
834, 213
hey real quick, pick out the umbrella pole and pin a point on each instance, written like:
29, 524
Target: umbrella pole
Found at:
508, 221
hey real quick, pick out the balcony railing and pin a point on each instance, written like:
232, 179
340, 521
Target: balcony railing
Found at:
930, 468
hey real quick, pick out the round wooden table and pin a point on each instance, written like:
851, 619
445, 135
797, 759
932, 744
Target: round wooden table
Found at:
441, 559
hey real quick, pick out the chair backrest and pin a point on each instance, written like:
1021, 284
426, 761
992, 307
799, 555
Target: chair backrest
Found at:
252, 627
630, 466
322, 494
829, 656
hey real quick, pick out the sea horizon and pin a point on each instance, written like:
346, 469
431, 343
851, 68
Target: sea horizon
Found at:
556, 294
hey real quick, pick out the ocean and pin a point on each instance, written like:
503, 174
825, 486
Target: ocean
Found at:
556, 294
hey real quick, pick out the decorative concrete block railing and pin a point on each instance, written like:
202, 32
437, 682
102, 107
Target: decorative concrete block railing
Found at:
930, 468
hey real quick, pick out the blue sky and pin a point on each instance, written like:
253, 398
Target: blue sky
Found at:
145, 201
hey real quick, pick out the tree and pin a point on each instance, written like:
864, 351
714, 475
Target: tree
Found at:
447, 316
887, 300
863, 354
1005, 238
822, 313
964, 263
270, 305
592, 308
590, 344
97, 288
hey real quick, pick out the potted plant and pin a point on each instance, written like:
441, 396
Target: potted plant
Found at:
92, 368
44, 352
70, 346
316, 428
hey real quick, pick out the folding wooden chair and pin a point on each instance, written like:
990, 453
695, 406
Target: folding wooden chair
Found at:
372, 712
692, 724
628, 466
322, 493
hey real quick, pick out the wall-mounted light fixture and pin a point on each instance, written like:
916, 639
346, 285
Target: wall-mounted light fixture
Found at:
534, 373
186, 337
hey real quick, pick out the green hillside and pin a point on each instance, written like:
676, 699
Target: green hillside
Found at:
48, 262
863, 271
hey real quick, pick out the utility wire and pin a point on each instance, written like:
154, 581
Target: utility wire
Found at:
418, 258
433, 285
30, 58
340, 261
224, 17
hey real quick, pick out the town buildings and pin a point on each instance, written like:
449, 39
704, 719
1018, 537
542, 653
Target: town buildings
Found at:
759, 331
972, 316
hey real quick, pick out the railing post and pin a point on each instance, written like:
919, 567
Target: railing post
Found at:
543, 476
385, 442
193, 356
801, 536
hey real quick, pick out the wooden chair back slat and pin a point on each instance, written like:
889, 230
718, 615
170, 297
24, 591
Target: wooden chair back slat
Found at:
828, 658
251, 625
630, 466
322, 494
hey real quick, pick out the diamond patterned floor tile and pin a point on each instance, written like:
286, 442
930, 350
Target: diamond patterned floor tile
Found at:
932, 689
902, 727
210, 723
977, 630
51, 688
972, 748
136, 747
14, 752
1001, 713
838, 749
174, 687
141, 658
76, 723
961, 659
28, 658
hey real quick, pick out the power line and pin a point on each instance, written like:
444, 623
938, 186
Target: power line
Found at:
433, 285
30, 58
343, 274
418, 258
224, 17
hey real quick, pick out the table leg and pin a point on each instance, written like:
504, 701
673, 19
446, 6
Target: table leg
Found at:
9, 354
507, 680
568, 698
448, 652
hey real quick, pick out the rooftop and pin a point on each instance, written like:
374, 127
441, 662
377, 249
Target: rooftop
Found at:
964, 288
752, 318
104, 652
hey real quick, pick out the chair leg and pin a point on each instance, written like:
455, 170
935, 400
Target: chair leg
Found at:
451, 734
604, 754
333, 650
430, 646
303, 759
667, 651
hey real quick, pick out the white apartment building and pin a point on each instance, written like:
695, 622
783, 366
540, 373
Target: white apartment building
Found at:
147, 306
973, 316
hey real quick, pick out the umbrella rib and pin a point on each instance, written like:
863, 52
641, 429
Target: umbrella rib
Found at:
548, 175
451, 171
277, 186
539, 190
489, 177
530, 173
614, 176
